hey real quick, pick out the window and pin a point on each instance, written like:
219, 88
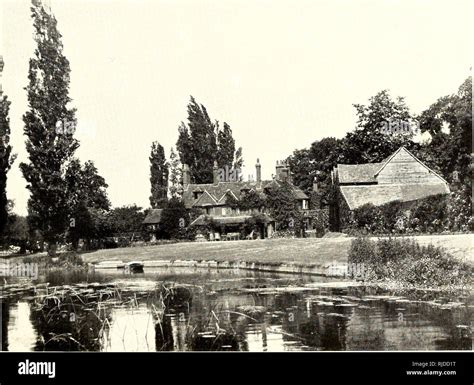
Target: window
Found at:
224, 211
304, 204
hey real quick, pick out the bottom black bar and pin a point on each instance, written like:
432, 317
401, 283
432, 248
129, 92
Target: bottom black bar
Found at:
238, 368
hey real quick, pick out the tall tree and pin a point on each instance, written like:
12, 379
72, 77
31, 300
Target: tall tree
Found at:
176, 177
201, 142
369, 142
158, 176
239, 160
204, 145
226, 147
449, 122
184, 145
6, 158
49, 127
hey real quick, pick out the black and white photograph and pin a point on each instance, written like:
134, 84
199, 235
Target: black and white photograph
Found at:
236, 176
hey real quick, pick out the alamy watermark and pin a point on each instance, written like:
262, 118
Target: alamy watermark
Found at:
20, 269
399, 126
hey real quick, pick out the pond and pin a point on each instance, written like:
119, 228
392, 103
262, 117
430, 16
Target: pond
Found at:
192, 309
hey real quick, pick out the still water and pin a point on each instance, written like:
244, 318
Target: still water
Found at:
183, 309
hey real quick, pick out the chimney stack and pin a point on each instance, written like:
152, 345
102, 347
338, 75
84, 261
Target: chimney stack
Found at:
282, 171
315, 184
186, 175
258, 167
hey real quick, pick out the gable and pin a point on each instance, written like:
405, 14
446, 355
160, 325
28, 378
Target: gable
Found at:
205, 200
404, 168
227, 194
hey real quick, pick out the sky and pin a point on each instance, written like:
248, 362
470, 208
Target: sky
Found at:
282, 73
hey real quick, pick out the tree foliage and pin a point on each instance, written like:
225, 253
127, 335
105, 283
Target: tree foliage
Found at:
368, 143
159, 171
201, 142
283, 208
87, 194
174, 220
226, 147
176, 176
49, 144
6, 158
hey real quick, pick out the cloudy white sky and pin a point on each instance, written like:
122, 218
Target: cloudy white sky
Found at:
281, 73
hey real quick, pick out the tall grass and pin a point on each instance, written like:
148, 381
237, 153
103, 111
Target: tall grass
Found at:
406, 262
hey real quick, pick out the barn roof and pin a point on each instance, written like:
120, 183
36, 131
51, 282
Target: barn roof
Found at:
358, 173
357, 196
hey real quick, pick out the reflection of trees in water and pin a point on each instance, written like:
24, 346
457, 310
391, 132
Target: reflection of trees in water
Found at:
5, 317
194, 321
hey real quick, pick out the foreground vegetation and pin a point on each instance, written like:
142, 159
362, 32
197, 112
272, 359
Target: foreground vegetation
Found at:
404, 262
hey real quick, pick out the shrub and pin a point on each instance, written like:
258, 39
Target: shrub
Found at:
405, 261
435, 214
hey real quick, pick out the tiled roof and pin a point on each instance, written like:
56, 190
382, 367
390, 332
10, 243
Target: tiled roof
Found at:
357, 196
358, 173
217, 191
206, 199
153, 217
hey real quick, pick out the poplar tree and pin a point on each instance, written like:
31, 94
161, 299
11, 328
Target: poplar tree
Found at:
6, 158
158, 176
176, 177
226, 147
49, 128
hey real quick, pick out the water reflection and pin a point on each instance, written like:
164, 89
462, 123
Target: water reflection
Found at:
187, 309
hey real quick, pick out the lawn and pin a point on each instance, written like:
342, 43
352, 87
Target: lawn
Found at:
308, 251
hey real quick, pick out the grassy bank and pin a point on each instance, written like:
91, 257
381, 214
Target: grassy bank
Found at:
406, 263
308, 251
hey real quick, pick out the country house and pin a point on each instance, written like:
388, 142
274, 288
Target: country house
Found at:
214, 200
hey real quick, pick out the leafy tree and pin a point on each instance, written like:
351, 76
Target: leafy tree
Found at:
17, 232
126, 220
158, 176
49, 127
251, 201
197, 144
6, 158
314, 165
226, 147
282, 206
86, 191
201, 142
369, 142
184, 145
175, 177
174, 220
239, 160
450, 149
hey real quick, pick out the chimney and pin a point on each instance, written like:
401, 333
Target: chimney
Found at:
215, 173
258, 167
186, 175
282, 171
315, 184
